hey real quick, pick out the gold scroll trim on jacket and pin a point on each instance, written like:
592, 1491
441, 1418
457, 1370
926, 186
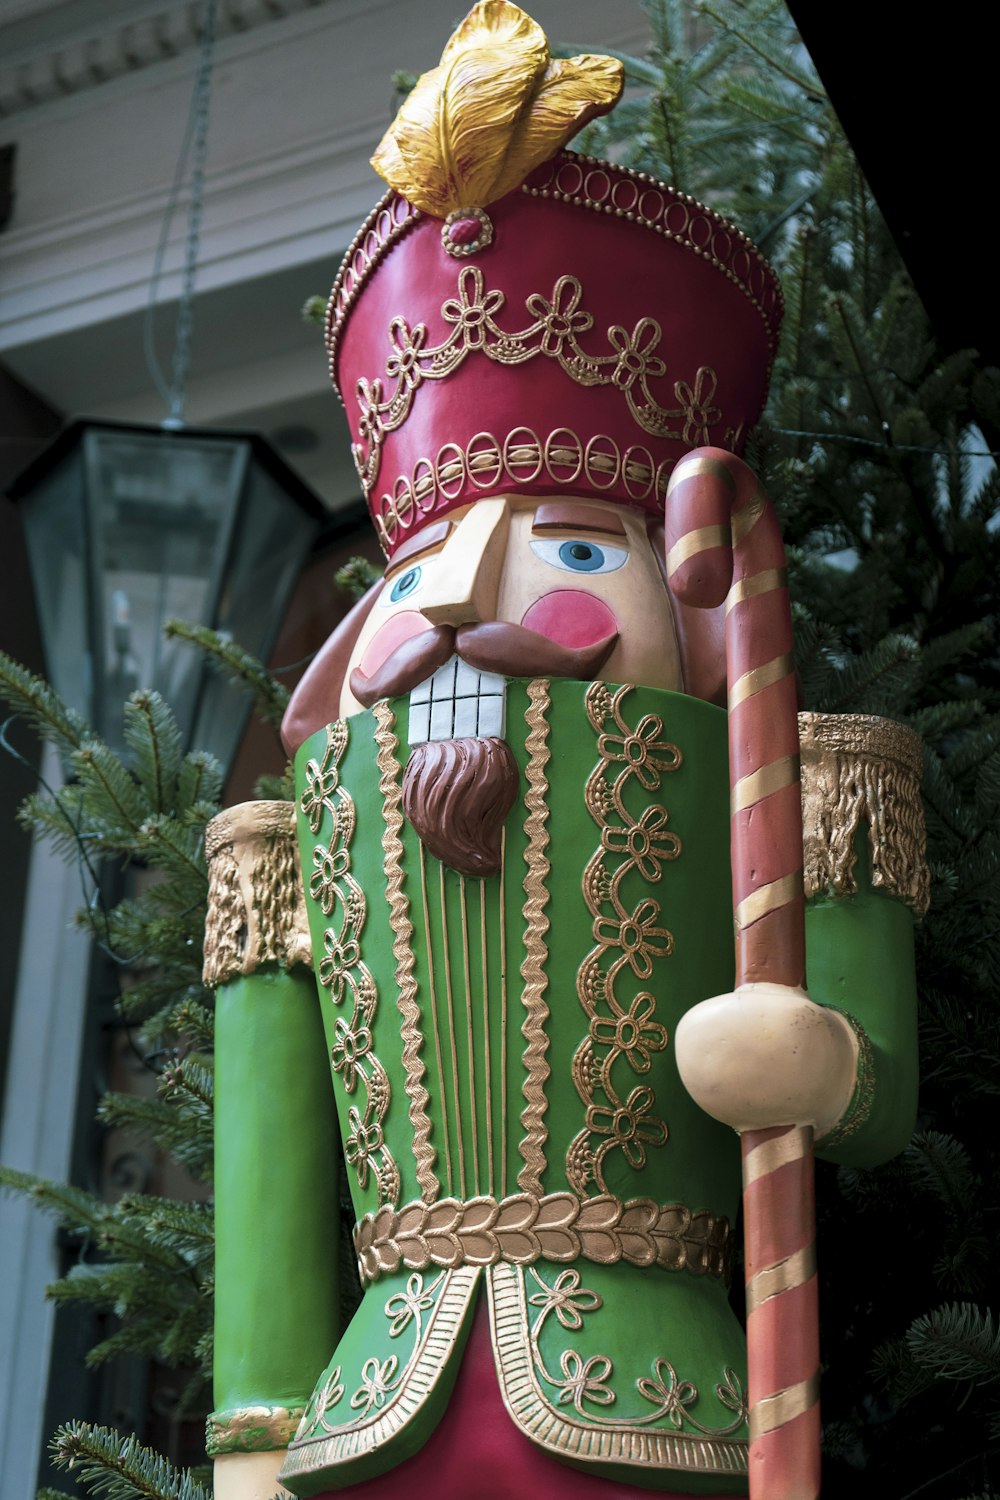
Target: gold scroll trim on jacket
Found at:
256, 908
379, 1424
576, 1434
856, 767
615, 982
536, 951
251, 1429
390, 786
521, 1229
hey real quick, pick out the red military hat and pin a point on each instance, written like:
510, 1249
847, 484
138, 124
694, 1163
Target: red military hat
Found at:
580, 333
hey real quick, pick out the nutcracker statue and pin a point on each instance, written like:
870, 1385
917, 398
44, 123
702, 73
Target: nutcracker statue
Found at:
543, 769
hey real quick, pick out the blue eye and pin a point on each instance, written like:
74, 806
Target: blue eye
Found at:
406, 584
578, 556
582, 557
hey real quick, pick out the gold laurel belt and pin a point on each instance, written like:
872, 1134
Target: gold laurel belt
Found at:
555, 1226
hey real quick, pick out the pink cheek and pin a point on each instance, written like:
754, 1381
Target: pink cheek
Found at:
393, 633
571, 617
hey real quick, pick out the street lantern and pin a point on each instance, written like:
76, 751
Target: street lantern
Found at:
128, 526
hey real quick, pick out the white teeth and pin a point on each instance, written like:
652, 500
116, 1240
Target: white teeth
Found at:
457, 702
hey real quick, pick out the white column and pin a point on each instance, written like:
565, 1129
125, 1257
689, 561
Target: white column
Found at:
36, 1135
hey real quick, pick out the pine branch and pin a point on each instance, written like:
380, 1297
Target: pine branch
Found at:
152, 734
175, 848
185, 1134
270, 698
956, 1342
276, 788
808, 85
35, 701
199, 782
357, 576
119, 1470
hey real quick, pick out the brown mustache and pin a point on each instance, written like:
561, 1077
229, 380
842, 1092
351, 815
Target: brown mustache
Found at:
495, 646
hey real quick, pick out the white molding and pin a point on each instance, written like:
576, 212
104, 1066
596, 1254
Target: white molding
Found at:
92, 52
302, 205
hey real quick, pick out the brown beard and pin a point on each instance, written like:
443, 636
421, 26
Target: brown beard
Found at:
456, 794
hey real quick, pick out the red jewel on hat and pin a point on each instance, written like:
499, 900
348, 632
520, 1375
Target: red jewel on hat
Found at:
466, 231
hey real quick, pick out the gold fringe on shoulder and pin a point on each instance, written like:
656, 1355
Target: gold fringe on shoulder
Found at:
256, 906
858, 767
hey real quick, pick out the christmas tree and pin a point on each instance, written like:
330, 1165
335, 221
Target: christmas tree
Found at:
875, 447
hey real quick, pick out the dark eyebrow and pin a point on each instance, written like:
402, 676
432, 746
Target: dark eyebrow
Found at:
425, 539
563, 515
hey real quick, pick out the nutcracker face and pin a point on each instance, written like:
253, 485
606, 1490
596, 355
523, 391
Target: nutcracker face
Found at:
516, 587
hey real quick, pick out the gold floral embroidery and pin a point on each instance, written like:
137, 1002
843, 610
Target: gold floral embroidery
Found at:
698, 412
328, 1394
558, 324
341, 970
376, 1384
584, 1383
627, 937
628, 1127
597, 187
565, 1297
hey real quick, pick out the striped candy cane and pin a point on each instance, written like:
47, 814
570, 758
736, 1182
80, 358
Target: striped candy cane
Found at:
723, 543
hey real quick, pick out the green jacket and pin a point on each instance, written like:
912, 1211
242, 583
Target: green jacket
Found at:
507, 1095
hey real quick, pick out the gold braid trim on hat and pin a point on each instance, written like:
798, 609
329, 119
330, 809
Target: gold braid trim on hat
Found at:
256, 907
859, 767
522, 1228
496, 107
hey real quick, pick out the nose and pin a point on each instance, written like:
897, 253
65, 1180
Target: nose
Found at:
467, 576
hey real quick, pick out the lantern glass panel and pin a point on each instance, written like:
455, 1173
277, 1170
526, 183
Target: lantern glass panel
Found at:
56, 538
265, 555
162, 509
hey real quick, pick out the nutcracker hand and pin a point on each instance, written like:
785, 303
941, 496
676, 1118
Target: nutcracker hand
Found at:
767, 1055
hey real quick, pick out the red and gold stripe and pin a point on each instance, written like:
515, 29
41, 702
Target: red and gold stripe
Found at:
782, 1312
723, 544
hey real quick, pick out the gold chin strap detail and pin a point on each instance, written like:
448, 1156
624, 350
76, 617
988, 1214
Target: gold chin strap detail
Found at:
521, 1229
256, 909
859, 768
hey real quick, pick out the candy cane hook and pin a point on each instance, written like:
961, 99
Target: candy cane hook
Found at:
723, 543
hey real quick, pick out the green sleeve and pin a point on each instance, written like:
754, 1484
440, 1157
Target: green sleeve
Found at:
276, 1146
859, 955
865, 879
276, 1294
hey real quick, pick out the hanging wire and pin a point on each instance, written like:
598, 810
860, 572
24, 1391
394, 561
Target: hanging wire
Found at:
882, 443
194, 147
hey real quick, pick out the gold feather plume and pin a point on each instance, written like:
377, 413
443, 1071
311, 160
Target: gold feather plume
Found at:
495, 107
